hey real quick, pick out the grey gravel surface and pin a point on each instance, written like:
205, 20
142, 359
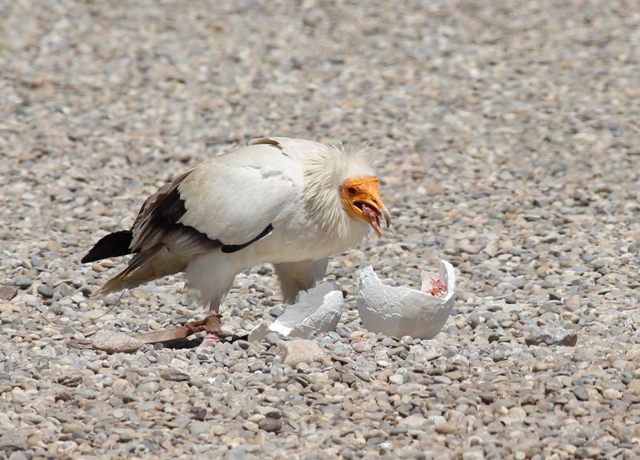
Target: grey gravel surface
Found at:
510, 145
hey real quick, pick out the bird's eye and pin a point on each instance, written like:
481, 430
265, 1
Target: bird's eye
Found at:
352, 190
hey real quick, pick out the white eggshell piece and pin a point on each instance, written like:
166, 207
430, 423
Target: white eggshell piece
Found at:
400, 311
317, 310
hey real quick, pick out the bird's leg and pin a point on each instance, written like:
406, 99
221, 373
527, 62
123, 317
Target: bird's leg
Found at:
212, 338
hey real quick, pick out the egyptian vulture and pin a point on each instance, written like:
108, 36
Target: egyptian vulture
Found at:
289, 202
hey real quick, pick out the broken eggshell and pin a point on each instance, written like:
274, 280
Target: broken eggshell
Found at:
316, 310
400, 311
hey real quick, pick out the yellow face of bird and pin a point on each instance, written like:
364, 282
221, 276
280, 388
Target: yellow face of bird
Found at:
361, 200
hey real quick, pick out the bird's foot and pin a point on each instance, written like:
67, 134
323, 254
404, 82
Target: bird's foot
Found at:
211, 339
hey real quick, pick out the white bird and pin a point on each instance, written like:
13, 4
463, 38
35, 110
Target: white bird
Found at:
289, 202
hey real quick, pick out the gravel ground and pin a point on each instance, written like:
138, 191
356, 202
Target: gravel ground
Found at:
510, 146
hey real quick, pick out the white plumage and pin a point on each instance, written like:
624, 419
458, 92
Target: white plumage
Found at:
290, 202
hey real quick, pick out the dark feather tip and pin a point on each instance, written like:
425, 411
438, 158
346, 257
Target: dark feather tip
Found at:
113, 245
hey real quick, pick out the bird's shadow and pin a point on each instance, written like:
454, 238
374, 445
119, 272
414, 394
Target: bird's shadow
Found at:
188, 343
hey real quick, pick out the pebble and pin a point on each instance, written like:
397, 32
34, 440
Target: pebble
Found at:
24, 283
7, 292
362, 347
413, 422
270, 425
115, 342
300, 351
540, 366
552, 336
174, 375
446, 428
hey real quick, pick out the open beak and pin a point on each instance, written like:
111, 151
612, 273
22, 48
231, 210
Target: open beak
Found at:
362, 200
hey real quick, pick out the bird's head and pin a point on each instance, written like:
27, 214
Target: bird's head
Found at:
361, 200
341, 188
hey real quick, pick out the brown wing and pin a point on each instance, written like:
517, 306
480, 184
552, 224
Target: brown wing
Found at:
161, 246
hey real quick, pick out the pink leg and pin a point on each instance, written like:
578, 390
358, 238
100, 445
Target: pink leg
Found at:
212, 338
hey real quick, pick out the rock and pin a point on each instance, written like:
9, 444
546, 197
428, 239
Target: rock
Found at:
455, 375
413, 422
273, 338
539, 366
197, 427
487, 397
46, 291
13, 441
611, 393
7, 292
174, 375
300, 351
270, 425
446, 428
69, 380
24, 283
581, 393
473, 454
361, 347
116, 342
552, 336
634, 386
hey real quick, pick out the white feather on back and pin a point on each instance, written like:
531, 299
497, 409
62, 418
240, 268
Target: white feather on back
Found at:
234, 197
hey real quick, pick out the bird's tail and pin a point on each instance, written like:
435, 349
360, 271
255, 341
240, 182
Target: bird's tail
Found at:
146, 266
113, 245
143, 267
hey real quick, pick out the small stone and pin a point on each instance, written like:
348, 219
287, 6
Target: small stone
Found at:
581, 393
199, 413
552, 336
364, 376
611, 393
270, 425
455, 375
361, 347
24, 283
7, 292
413, 422
540, 366
18, 456
10, 441
442, 379
474, 454
174, 375
66, 290
300, 351
470, 249
116, 342
634, 386
70, 380
52, 246
396, 379
348, 379
45, 291
273, 338
487, 398
446, 428
197, 427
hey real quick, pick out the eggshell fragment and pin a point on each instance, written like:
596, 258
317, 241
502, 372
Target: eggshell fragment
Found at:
400, 311
317, 310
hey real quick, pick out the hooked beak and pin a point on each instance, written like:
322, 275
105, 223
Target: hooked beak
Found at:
362, 200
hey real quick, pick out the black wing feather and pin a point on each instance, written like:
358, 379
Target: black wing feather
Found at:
113, 245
